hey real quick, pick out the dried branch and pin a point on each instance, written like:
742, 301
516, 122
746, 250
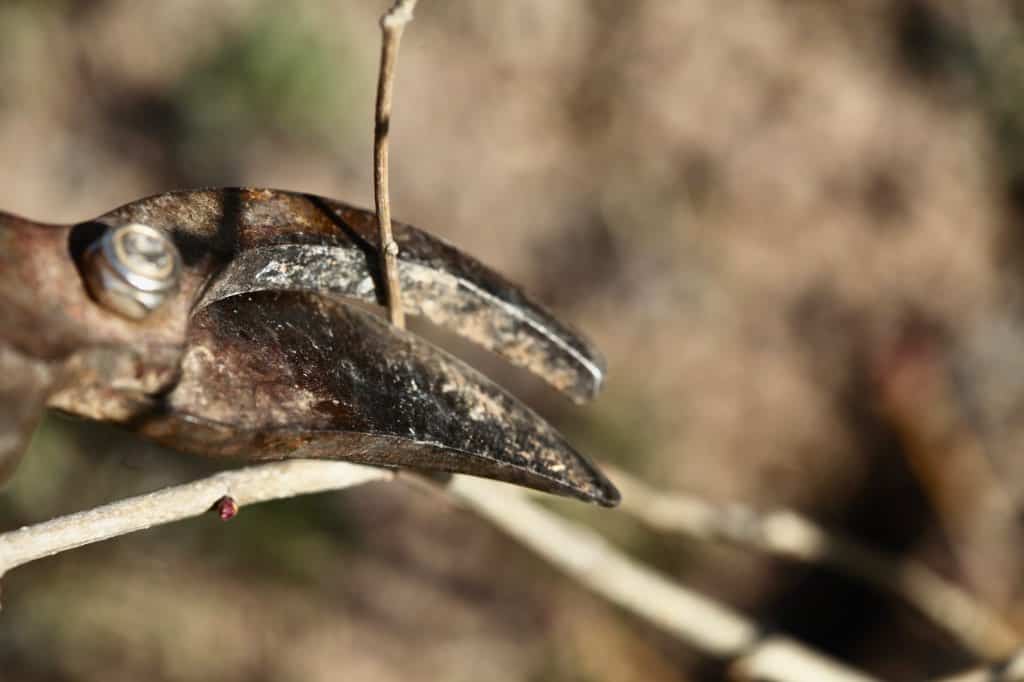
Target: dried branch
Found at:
786, 534
578, 551
392, 26
244, 486
589, 558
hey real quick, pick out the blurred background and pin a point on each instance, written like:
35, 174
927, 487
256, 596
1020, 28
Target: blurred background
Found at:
793, 227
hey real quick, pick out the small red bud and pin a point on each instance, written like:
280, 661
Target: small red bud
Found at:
226, 508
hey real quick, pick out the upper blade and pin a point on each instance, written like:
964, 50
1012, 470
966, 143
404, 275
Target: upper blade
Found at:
270, 240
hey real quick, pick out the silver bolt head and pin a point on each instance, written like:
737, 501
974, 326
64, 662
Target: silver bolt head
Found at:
132, 270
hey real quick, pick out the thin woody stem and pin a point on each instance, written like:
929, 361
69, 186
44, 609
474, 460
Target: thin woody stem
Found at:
243, 486
579, 552
392, 26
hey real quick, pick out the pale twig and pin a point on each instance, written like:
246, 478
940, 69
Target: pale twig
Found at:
787, 534
582, 553
245, 486
578, 551
693, 618
392, 26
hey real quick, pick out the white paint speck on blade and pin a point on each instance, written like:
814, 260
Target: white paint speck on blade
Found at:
269, 271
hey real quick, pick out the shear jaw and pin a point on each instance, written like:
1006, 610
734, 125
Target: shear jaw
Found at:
276, 362
286, 374
266, 240
514, 331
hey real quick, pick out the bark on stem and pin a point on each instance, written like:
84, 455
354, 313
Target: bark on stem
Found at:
246, 486
392, 26
581, 553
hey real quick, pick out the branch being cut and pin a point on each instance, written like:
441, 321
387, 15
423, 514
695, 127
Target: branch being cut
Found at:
392, 26
787, 534
578, 551
244, 486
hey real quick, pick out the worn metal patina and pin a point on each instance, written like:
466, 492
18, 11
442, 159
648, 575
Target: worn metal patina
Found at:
262, 353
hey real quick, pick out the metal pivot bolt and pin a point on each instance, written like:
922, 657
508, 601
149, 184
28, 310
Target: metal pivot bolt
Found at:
132, 269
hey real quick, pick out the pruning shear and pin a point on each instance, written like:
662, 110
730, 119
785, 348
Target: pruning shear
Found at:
238, 323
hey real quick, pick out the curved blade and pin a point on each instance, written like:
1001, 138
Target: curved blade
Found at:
271, 240
271, 375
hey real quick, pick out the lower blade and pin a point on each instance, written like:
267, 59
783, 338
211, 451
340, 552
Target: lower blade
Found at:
271, 375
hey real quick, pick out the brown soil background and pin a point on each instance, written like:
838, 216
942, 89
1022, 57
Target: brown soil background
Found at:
793, 227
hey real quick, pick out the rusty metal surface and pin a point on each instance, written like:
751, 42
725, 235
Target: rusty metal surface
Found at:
274, 240
45, 310
58, 348
295, 375
260, 354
